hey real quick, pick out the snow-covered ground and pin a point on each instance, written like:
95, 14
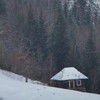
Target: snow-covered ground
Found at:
19, 77
13, 89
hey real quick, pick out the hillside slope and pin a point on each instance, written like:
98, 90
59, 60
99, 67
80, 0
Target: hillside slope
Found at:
11, 89
38, 38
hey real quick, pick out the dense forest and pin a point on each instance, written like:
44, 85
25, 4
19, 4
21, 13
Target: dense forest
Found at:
40, 37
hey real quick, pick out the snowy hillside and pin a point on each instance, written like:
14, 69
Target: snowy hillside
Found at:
12, 89
18, 77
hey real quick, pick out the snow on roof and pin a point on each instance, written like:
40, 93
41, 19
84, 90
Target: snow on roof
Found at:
69, 73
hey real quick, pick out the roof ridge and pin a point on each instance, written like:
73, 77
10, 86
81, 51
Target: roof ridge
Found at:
63, 72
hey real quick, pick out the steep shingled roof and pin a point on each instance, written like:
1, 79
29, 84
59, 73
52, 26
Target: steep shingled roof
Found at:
69, 73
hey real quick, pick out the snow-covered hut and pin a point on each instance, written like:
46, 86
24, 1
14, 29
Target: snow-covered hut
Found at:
69, 78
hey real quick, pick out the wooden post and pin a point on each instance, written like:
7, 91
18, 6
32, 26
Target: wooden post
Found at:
26, 79
69, 84
73, 84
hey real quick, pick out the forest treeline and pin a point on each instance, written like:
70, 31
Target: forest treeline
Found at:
40, 37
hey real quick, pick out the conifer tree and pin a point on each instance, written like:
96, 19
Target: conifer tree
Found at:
30, 32
79, 12
41, 38
2, 7
90, 59
90, 55
59, 41
66, 9
35, 36
82, 3
74, 52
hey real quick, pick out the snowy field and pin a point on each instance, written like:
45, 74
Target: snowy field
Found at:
13, 87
